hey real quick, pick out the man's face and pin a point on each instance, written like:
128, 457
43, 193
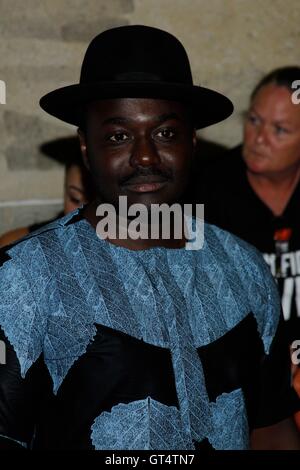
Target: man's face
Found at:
139, 148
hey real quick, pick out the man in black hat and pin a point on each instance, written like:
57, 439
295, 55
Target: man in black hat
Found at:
139, 343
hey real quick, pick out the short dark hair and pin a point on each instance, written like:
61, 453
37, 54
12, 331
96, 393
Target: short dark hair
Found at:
283, 76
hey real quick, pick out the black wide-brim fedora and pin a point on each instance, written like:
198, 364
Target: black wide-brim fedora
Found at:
136, 62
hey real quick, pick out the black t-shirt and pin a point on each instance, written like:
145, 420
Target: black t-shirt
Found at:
231, 204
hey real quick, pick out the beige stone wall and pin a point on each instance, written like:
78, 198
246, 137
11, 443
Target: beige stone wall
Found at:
231, 44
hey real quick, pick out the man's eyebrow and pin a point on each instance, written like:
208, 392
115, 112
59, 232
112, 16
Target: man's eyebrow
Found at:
115, 120
167, 117
123, 120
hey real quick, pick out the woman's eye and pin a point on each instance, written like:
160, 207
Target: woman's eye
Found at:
118, 137
75, 200
252, 119
280, 130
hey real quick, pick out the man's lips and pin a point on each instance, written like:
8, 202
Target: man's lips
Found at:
145, 185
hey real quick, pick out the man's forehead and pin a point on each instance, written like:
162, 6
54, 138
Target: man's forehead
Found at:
141, 109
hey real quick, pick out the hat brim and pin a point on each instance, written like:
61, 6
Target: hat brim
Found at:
68, 103
64, 150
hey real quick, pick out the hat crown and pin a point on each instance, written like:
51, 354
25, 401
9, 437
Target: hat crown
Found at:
136, 62
136, 54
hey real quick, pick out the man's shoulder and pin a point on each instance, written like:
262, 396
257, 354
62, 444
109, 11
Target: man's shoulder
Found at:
27, 288
21, 249
244, 269
232, 247
238, 259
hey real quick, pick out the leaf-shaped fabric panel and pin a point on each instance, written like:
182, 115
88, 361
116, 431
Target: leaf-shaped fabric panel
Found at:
228, 413
140, 425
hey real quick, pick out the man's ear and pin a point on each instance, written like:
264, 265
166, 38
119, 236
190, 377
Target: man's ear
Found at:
194, 143
82, 141
194, 138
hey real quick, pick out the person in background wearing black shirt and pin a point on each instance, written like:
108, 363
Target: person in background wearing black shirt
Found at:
255, 190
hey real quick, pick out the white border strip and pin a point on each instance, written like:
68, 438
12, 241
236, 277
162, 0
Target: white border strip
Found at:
31, 202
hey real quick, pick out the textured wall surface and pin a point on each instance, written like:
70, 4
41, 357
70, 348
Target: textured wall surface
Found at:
231, 44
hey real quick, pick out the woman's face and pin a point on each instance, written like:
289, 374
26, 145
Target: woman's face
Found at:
75, 188
272, 133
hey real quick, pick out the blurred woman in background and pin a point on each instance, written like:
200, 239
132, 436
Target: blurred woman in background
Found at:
254, 191
77, 184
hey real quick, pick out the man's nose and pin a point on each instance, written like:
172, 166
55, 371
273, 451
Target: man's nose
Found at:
144, 153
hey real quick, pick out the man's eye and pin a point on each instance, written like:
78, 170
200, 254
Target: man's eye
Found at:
118, 137
166, 133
